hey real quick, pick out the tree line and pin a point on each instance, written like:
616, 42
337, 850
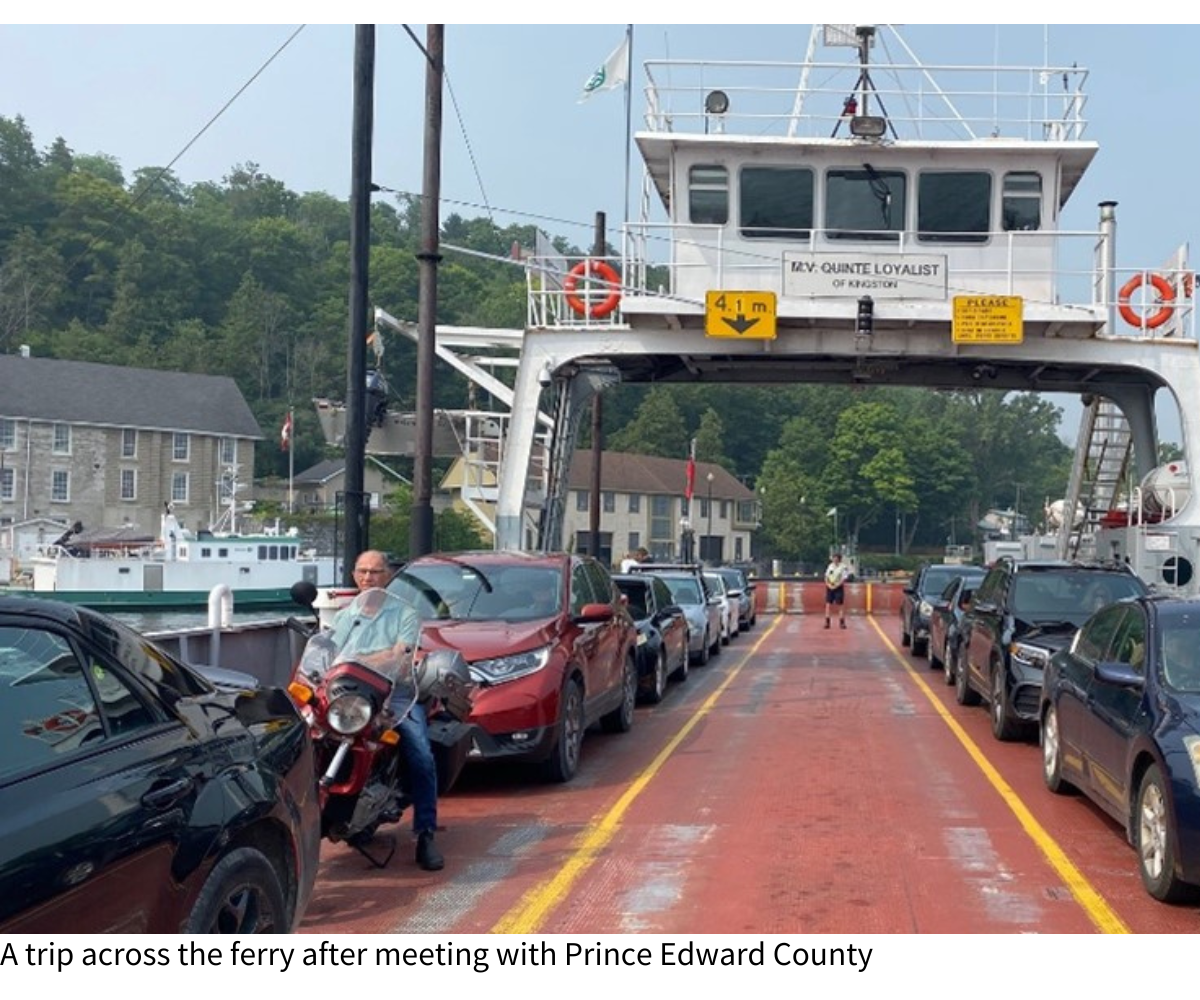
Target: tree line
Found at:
246, 278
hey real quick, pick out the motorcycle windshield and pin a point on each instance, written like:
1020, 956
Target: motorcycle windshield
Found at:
378, 629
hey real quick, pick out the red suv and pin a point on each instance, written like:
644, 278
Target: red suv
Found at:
550, 643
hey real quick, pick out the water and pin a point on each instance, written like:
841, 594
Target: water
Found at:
172, 621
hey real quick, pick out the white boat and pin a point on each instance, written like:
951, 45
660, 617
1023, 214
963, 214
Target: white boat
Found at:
180, 569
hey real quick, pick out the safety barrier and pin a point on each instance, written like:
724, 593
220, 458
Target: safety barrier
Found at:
794, 597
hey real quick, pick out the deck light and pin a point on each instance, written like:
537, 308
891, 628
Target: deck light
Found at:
868, 126
716, 103
865, 325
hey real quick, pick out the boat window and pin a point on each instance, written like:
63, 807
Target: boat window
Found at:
954, 206
866, 204
775, 203
1021, 208
205, 553
708, 195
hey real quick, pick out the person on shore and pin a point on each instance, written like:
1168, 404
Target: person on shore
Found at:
835, 590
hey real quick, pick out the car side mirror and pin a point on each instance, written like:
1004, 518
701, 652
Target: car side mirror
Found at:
1119, 675
595, 613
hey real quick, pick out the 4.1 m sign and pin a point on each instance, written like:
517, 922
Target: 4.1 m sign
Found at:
740, 315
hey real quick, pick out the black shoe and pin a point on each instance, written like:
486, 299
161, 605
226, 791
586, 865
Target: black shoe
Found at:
843, 623
428, 856
827, 623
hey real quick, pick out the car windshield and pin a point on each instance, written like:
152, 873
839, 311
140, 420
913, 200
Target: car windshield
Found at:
491, 592
1069, 596
685, 590
936, 578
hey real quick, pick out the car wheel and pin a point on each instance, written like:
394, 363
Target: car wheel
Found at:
685, 662
905, 634
701, 657
620, 719
1052, 753
920, 647
935, 661
948, 664
658, 679
1157, 848
715, 646
964, 694
1004, 727
564, 759
240, 896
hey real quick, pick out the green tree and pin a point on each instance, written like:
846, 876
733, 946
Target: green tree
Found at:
657, 429
710, 440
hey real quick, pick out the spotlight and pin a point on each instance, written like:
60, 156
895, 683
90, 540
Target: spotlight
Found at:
716, 103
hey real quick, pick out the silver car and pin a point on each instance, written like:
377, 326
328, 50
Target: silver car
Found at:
701, 607
729, 604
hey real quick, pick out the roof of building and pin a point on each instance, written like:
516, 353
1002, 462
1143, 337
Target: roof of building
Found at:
622, 472
82, 392
322, 472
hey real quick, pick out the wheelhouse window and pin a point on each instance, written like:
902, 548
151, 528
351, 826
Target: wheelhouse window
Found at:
775, 203
181, 447
62, 439
60, 486
129, 442
1021, 203
954, 206
864, 204
708, 195
128, 484
179, 487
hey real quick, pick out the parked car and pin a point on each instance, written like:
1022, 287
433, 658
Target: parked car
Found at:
945, 616
550, 643
701, 607
137, 796
729, 605
1020, 615
741, 587
916, 605
1120, 718
662, 639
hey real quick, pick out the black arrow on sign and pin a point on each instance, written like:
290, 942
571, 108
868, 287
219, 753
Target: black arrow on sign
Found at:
741, 324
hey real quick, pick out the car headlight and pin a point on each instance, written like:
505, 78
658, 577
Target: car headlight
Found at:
348, 714
509, 668
642, 639
1192, 745
1033, 657
925, 609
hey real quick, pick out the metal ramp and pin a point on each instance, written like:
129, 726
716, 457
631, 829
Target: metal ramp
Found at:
1098, 474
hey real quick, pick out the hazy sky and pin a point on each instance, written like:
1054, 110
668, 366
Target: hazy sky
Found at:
516, 138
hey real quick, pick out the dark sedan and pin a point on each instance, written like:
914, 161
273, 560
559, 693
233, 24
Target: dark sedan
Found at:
946, 614
137, 796
916, 606
1120, 719
662, 639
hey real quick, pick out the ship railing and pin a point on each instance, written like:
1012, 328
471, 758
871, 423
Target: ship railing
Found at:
818, 99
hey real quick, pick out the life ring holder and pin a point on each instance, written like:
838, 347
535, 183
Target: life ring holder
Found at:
597, 269
1166, 296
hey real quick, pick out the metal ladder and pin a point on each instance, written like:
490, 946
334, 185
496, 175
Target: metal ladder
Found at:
1097, 473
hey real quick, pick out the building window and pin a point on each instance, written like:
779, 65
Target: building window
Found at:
228, 450
705, 506
128, 484
635, 503
179, 487
776, 203
864, 204
8, 484
635, 541
60, 486
609, 501
62, 439
708, 195
8, 434
724, 515
954, 206
1021, 203
662, 528
129, 442
181, 447
581, 500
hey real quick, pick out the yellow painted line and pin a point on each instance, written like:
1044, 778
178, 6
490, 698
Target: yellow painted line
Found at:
535, 905
1086, 895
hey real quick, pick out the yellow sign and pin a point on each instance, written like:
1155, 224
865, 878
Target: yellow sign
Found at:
740, 315
988, 319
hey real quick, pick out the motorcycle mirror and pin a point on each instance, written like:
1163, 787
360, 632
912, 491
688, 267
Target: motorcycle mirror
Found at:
304, 593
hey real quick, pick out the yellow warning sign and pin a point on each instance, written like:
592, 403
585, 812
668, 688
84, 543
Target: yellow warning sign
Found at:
988, 319
740, 315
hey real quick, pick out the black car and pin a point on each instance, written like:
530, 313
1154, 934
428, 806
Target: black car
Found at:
662, 639
946, 615
1021, 614
138, 796
916, 606
1120, 715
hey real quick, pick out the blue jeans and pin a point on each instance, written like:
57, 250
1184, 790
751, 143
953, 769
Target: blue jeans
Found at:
422, 770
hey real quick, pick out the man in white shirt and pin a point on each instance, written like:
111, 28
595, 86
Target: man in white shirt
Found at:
835, 590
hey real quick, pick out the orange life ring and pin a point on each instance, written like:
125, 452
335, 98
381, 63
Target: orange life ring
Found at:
599, 269
1166, 295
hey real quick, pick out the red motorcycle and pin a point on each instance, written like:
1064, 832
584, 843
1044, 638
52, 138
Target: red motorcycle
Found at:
344, 686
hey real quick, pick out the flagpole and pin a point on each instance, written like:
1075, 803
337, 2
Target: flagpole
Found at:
291, 463
628, 113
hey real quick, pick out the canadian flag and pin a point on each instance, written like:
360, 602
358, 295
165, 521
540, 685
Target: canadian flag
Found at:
690, 488
285, 433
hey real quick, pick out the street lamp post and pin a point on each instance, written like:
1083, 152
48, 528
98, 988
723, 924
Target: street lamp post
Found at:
709, 477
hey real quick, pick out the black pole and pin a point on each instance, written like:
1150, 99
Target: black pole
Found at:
360, 245
421, 530
598, 248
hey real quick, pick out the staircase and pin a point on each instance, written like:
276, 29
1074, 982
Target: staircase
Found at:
1097, 473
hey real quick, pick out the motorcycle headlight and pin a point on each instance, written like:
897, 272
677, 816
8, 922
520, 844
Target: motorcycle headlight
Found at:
348, 714
509, 668
1033, 657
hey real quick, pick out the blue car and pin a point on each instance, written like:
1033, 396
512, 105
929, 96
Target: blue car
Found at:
1120, 721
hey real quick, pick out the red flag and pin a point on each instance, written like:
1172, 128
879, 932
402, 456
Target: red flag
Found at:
691, 473
285, 433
